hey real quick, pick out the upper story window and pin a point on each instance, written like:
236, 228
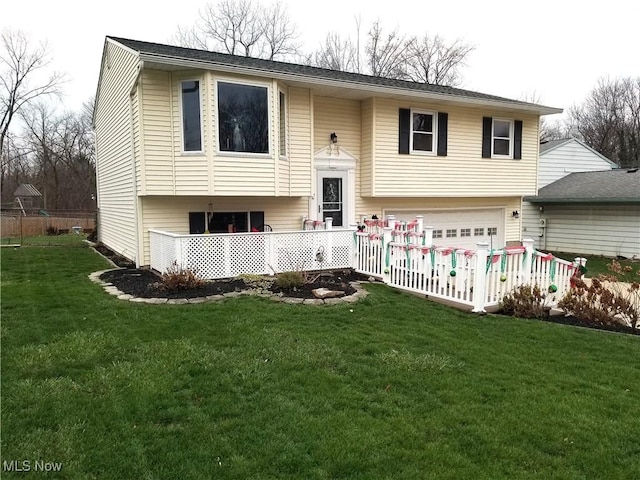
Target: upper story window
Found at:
243, 118
422, 132
501, 138
423, 135
501, 135
282, 123
191, 126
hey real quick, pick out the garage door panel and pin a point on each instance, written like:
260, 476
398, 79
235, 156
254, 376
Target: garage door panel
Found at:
460, 228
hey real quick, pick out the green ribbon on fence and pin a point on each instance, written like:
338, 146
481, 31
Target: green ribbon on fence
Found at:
432, 253
552, 270
454, 259
387, 258
408, 253
503, 262
489, 260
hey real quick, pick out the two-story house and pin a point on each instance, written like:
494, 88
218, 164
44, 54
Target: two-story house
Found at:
190, 141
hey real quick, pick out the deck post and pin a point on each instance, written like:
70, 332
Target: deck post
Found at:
480, 278
530, 257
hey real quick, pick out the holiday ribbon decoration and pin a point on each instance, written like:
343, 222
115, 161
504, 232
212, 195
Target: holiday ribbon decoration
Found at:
387, 256
552, 275
503, 266
454, 262
489, 260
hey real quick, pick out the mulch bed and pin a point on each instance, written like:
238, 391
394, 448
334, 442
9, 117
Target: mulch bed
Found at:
147, 284
577, 322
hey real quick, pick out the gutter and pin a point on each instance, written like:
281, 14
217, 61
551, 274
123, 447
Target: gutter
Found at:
560, 200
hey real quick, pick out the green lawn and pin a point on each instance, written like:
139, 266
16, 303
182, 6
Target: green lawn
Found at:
597, 264
393, 387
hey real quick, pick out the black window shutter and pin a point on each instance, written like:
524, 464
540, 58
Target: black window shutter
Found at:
405, 130
517, 139
443, 120
487, 124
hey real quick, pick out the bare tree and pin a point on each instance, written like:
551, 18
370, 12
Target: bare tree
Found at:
390, 54
429, 59
609, 120
242, 27
336, 53
386, 53
20, 62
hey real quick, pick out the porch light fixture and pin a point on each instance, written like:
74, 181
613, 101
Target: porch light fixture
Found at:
333, 137
515, 214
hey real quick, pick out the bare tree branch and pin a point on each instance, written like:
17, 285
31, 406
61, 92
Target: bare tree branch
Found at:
385, 54
242, 27
19, 63
431, 60
336, 53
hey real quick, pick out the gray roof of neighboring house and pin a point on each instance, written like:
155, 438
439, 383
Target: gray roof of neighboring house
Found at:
26, 190
160, 52
609, 186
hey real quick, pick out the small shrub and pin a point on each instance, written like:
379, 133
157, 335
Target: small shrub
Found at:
180, 278
604, 300
52, 231
525, 301
290, 280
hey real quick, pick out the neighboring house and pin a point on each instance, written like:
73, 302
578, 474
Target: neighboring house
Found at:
591, 213
573, 212
190, 141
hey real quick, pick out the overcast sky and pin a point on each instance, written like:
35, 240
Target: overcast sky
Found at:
557, 49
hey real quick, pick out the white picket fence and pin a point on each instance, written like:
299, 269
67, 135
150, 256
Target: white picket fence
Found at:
401, 254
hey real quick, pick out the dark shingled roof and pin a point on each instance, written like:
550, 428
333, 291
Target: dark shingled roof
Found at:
610, 186
260, 65
548, 145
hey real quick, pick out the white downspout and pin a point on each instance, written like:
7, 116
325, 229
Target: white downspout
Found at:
132, 92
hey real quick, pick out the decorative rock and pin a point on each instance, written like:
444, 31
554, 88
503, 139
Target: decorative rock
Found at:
125, 296
293, 300
333, 301
197, 300
350, 299
177, 301
232, 294
326, 293
138, 299
214, 298
156, 301
313, 301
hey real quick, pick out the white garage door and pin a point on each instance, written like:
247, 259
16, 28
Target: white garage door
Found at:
461, 228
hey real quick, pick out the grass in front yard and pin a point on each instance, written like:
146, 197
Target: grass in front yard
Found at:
391, 387
597, 264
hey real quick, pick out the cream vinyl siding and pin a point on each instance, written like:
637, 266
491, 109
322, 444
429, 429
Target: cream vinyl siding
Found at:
172, 213
462, 172
340, 116
157, 155
608, 230
365, 170
300, 145
116, 182
379, 206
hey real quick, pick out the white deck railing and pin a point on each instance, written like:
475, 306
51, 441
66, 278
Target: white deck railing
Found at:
402, 255
230, 254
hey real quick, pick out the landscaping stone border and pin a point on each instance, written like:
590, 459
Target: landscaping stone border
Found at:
113, 290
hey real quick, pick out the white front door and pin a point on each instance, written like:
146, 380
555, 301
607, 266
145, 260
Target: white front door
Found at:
332, 196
